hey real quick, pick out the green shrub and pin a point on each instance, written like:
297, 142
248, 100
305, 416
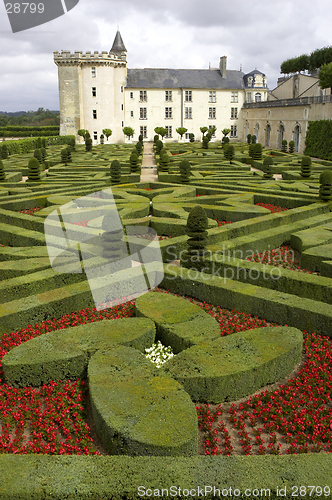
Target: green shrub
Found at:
43, 154
159, 146
268, 172
225, 140
196, 229
253, 139
229, 152
88, 144
251, 150
257, 151
37, 154
139, 147
2, 172
66, 155
205, 142
306, 166
291, 146
325, 189
4, 151
156, 138
191, 137
164, 162
115, 172
318, 140
249, 138
185, 171
284, 146
133, 162
140, 138
34, 170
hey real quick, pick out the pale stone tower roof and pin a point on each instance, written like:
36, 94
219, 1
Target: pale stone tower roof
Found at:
118, 45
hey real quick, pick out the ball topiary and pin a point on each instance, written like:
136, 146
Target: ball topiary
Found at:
2, 172
34, 170
249, 138
196, 229
185, 171
325, 188
205, 142
253, 139
115, 172
306, 166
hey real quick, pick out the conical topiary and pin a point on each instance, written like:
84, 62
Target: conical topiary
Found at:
88, 144
43, 154
139, 147
284, 146
164, 162
325, 188
34, 170
65, 155
159, 146
257, 151
229, 152
37, 154
133, 162
268, 172
306, 166
4, 152
2, 172
185, 171
196, 229
115, 172
291, 146
251, 150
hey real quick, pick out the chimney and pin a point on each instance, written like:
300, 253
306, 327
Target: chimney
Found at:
222, 66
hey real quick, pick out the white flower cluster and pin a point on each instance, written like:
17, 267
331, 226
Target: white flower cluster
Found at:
159, 354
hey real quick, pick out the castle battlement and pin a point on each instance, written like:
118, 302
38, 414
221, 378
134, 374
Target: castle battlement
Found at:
78, 58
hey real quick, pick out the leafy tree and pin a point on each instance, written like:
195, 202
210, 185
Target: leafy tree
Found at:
181, 131
82, 132
203, 130
226, 131
325, 76
128, 131
160, 131
108, 132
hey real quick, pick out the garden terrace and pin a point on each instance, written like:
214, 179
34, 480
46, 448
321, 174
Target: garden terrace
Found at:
32, 291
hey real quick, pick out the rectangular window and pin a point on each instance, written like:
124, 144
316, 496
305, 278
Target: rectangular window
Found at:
142, 113
234, 97
168, 133
234, 113
188, 96
121, 107
131, 95
143, 132
168, 95
212, 96
168, 113
143, 96
233, 130
121, 88
95, 136
94, 92
94, 114
248, 96
93, 72
212, 113
132, 114
188, 113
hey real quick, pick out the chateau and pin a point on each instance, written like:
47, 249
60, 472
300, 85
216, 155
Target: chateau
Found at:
98, 91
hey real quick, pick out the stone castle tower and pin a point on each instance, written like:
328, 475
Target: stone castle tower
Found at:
91, 90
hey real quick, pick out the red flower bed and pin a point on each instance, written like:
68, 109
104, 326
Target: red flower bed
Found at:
30, 211
273, 208
284, 256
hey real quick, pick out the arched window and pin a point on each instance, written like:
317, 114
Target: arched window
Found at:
258, 97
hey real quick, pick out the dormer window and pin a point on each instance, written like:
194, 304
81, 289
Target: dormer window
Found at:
250, 81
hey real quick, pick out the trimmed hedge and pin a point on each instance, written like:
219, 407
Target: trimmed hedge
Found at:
236, 365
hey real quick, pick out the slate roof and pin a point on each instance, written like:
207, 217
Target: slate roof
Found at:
184, 78
118, 45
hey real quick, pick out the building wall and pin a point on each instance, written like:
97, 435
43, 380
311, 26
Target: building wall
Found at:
198, 108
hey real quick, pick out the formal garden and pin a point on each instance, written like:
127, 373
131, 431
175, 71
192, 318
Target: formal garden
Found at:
219, 375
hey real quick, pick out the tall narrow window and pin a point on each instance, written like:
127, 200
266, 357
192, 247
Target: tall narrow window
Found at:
188, 113
234, 97
212, 113
95, 135
212, 96
94, 114
132, 114
142, 113
94, 92
168, 113
131, 95
188, 96
233, 130
143, 132
168, 95
234, 113
143, 96
168, 133
93, 72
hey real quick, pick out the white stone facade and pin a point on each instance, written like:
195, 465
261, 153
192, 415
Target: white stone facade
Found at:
97, 91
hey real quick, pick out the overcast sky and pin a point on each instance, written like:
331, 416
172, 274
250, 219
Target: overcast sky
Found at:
171, 34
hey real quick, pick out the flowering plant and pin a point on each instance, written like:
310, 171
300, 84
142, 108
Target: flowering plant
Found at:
159, 354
